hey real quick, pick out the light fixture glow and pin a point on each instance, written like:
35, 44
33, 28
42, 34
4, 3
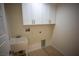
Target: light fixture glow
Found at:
37, 5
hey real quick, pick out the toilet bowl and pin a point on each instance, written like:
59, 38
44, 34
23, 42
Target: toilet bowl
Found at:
18, 44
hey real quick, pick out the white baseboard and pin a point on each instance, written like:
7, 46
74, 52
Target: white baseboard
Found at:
57, 49
35, 46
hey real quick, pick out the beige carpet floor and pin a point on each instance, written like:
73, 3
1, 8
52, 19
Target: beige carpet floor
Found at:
48, 51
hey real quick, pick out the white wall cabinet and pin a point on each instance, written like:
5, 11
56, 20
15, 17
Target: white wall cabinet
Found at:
34, 13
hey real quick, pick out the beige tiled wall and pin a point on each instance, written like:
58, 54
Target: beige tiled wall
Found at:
14, 18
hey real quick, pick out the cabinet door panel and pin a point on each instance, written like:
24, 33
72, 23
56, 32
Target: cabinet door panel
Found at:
27, 13
45, 14
40, 13
52, 13
37, 11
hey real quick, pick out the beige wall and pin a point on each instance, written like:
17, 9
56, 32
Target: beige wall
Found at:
65, 36
14, 18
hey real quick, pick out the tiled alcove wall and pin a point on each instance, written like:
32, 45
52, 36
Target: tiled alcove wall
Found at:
14, 19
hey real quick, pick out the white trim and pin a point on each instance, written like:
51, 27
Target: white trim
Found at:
35, 46
57, 49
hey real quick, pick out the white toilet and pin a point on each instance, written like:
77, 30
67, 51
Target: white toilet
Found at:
19, 44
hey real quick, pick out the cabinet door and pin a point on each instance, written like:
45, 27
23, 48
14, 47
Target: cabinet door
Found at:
52, 13
40, 13
44, 13
27, 13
